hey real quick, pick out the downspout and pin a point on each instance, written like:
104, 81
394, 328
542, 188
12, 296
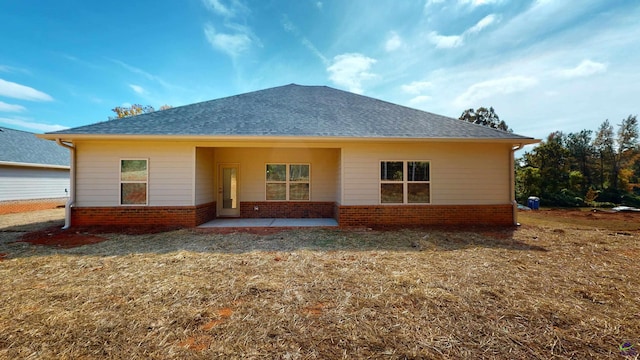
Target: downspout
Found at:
72, 183
512, 183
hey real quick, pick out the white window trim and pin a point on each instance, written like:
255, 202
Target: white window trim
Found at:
287, 182
405, 182
120, 182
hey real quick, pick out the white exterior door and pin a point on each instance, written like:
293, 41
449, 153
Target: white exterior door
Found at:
228, 205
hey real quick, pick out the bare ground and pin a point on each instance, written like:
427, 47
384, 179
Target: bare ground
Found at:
561, 286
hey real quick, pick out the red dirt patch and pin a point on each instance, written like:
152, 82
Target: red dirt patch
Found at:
3, 256
606, 219
126, 230
591, 215
85, 235
314, 310
56, 237
224, 313
211, 324
197, 343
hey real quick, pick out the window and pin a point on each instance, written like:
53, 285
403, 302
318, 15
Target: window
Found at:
287, 182
134, 176
405, 182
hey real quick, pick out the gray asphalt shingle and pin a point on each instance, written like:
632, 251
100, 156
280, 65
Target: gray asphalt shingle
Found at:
295, 110
24, 147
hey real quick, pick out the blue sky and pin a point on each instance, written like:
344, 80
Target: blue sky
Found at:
544, 65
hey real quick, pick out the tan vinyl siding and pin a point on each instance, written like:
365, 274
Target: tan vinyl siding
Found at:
171, 171
205, 175
461, 173
252, 161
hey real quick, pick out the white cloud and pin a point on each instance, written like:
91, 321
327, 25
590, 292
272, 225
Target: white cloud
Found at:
17, 91
585, 68
4, 107
446, 41
145, 74
486, 89
32, 125
475, 3
454, 41
394, 42
350, 70
432, 2
219, 8
486, 21
421, 99
137, 88
416, 87
231, 44
290, 27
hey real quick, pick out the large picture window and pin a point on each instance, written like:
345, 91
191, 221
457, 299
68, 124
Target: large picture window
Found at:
405, 182
134, 175
288, 182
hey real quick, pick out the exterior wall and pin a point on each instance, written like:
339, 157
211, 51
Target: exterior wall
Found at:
287, 209
205, 184
171, 172
26, 183
470, 182
425, 215
461, 173
251, 173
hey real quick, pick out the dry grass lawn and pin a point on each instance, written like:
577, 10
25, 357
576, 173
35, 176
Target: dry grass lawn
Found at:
558, 287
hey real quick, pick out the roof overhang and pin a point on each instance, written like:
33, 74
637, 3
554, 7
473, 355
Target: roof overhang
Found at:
252, 138
33, 165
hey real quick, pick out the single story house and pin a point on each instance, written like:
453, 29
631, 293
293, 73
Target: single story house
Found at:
34, 173
291, 152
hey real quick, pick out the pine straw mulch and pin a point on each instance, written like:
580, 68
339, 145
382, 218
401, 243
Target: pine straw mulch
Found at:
537, 292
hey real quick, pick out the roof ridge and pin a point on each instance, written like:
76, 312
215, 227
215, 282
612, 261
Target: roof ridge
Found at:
295, 110
2, 128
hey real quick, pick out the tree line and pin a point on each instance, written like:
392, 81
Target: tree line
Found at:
585, 168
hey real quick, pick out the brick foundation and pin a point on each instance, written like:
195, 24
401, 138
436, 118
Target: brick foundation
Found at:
287, 209
421, 215
18, 206
347, 216
187, 216
205, 212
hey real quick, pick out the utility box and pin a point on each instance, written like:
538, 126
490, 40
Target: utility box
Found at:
533, 202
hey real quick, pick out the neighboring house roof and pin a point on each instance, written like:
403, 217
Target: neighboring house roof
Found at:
24, 148
295, 111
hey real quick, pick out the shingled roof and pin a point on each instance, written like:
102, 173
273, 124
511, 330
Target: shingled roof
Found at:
25, 148
295, 111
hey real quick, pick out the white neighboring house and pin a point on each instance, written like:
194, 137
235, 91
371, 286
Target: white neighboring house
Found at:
34, 173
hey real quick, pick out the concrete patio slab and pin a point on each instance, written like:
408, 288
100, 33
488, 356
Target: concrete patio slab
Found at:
222, 223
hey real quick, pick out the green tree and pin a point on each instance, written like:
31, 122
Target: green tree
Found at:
580, 167
581, 155
528, 182
133, 110
626, 148
551, 157
603, 144
485, 117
